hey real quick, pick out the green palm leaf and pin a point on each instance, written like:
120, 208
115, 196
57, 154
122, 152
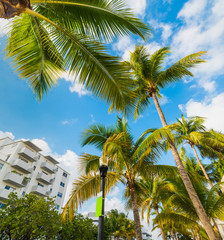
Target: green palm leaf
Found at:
101, 19
34, 55
85, 187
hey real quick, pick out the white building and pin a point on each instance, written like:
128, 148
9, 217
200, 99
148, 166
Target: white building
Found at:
23, 169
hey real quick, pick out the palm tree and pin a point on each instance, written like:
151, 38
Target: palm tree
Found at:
180, 202
191, 165
149, 79
49, 37
127, 161
152, 195
193, 132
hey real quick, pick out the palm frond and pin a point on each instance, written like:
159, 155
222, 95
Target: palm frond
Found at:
84, 188
34, 55
97, 135
101, 19
88, 163
179, 69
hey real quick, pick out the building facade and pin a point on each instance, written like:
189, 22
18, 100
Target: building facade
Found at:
23, 169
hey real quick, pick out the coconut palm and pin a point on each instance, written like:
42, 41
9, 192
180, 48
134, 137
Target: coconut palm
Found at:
49, 37
179, 200
127, 161
152, 196
149, 77
192, 131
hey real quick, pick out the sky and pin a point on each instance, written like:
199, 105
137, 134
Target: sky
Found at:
55, 123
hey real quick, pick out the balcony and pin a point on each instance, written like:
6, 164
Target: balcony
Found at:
39, 190
4, 193
14, 179
44, 178
48, 167
22, 166
28, 154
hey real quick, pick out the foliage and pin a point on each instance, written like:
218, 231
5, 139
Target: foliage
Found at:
119, 225
127, 160
29, 217
80, 228
50, 38
150, 76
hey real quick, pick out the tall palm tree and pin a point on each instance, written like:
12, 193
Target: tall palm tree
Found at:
127, 161
191, 165
48, 37
192, 131
150, 77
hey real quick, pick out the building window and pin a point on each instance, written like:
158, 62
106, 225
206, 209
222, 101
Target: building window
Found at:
62, 184
1, 165
64, 174
41, 185
7, 158
34, 167
50, 189
59, 194
7, 187
23, 193
1, 205
56, 169
57, 207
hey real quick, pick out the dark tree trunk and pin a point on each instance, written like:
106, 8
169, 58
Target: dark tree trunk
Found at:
138, 230
186, 180
11, 8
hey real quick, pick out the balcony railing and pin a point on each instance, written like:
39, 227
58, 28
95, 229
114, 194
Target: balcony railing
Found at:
44, 178
4, 193
28, 154
48, 167
14, 179
39, 190
22, 166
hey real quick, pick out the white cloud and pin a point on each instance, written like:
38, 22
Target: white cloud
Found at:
202, 29
69, 122
3, 28
138, 6
166, 29
153, 47
75, 85
210, 108
6, 134
114, 192
164, 100
114, 203
43, 145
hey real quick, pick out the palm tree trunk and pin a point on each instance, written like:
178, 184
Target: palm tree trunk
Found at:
186, 180
163, 234
193, 235
138, 230
202, 167
171, 232
176, 236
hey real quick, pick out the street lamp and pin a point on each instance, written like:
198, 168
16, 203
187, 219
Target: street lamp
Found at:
103, 173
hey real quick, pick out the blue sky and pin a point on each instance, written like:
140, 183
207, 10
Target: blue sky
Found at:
56, 122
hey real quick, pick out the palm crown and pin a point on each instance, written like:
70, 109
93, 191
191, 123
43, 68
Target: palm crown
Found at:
150, 75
